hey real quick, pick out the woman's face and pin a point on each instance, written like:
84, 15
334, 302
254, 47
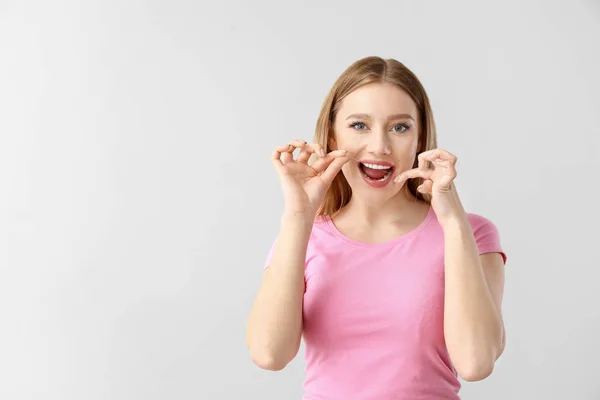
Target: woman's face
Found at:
377, 124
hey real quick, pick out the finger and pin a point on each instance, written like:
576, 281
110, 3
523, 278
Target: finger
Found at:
413, 173
425, 187
288, 156
276, 160
323, 162
291, 146
333, 169
306, 152
286, 151
446, 180
432, 155
318, 149
283, 153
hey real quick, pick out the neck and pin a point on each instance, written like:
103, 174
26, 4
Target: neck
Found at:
374, 214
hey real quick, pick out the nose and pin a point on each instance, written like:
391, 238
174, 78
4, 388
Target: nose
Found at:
379, 144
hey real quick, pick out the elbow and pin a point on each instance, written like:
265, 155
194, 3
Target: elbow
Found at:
476, 364
475, 371
271, 353
267, 361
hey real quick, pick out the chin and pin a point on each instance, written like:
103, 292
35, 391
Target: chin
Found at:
373, 195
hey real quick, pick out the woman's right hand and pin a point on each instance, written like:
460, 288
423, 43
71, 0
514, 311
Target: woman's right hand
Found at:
304, 186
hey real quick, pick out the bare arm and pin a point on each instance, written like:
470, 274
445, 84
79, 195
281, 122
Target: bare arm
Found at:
274, 327
473, 325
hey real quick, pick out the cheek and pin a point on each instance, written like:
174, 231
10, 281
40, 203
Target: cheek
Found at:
355, 144
407, 154
350, 169
415, 146
346, 139
414, 154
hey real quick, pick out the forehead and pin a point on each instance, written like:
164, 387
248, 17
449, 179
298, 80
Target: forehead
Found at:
378, 100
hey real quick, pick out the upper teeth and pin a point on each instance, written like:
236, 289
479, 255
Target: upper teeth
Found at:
375, 166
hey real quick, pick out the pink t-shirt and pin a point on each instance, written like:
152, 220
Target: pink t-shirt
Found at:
373, 314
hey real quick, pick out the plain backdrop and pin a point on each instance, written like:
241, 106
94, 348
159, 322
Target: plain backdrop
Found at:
138, 201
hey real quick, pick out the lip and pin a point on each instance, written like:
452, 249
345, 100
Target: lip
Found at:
377, 184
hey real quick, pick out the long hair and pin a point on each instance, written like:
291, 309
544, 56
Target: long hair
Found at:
362, 72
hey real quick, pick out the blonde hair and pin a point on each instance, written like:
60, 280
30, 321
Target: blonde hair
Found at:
362, 72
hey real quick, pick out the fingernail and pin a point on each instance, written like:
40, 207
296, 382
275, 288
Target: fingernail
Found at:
344, 152
322, 153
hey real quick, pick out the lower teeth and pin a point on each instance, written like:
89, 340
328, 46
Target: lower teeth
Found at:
382, 179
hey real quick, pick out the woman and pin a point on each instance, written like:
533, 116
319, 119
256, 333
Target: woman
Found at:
396, 290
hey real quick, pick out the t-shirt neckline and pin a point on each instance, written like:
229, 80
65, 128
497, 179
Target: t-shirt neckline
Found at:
428, 218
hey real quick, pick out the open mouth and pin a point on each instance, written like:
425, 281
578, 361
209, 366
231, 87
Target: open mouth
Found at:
376, 172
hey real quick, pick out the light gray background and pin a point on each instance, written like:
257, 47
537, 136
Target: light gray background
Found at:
138, 200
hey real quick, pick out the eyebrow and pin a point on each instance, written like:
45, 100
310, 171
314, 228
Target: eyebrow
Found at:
391, 117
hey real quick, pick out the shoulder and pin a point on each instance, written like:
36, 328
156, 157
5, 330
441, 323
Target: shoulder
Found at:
322, 232
483, 226
479, 222
487, 234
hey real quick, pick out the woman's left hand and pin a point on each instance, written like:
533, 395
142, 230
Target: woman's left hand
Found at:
439, 182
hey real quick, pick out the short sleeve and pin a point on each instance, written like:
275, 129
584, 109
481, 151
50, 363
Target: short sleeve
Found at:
487, 236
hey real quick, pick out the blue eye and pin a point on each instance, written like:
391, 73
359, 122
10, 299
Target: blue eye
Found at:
404, 128
359, 126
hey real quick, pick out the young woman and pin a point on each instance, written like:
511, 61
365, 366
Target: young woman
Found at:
396, 289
